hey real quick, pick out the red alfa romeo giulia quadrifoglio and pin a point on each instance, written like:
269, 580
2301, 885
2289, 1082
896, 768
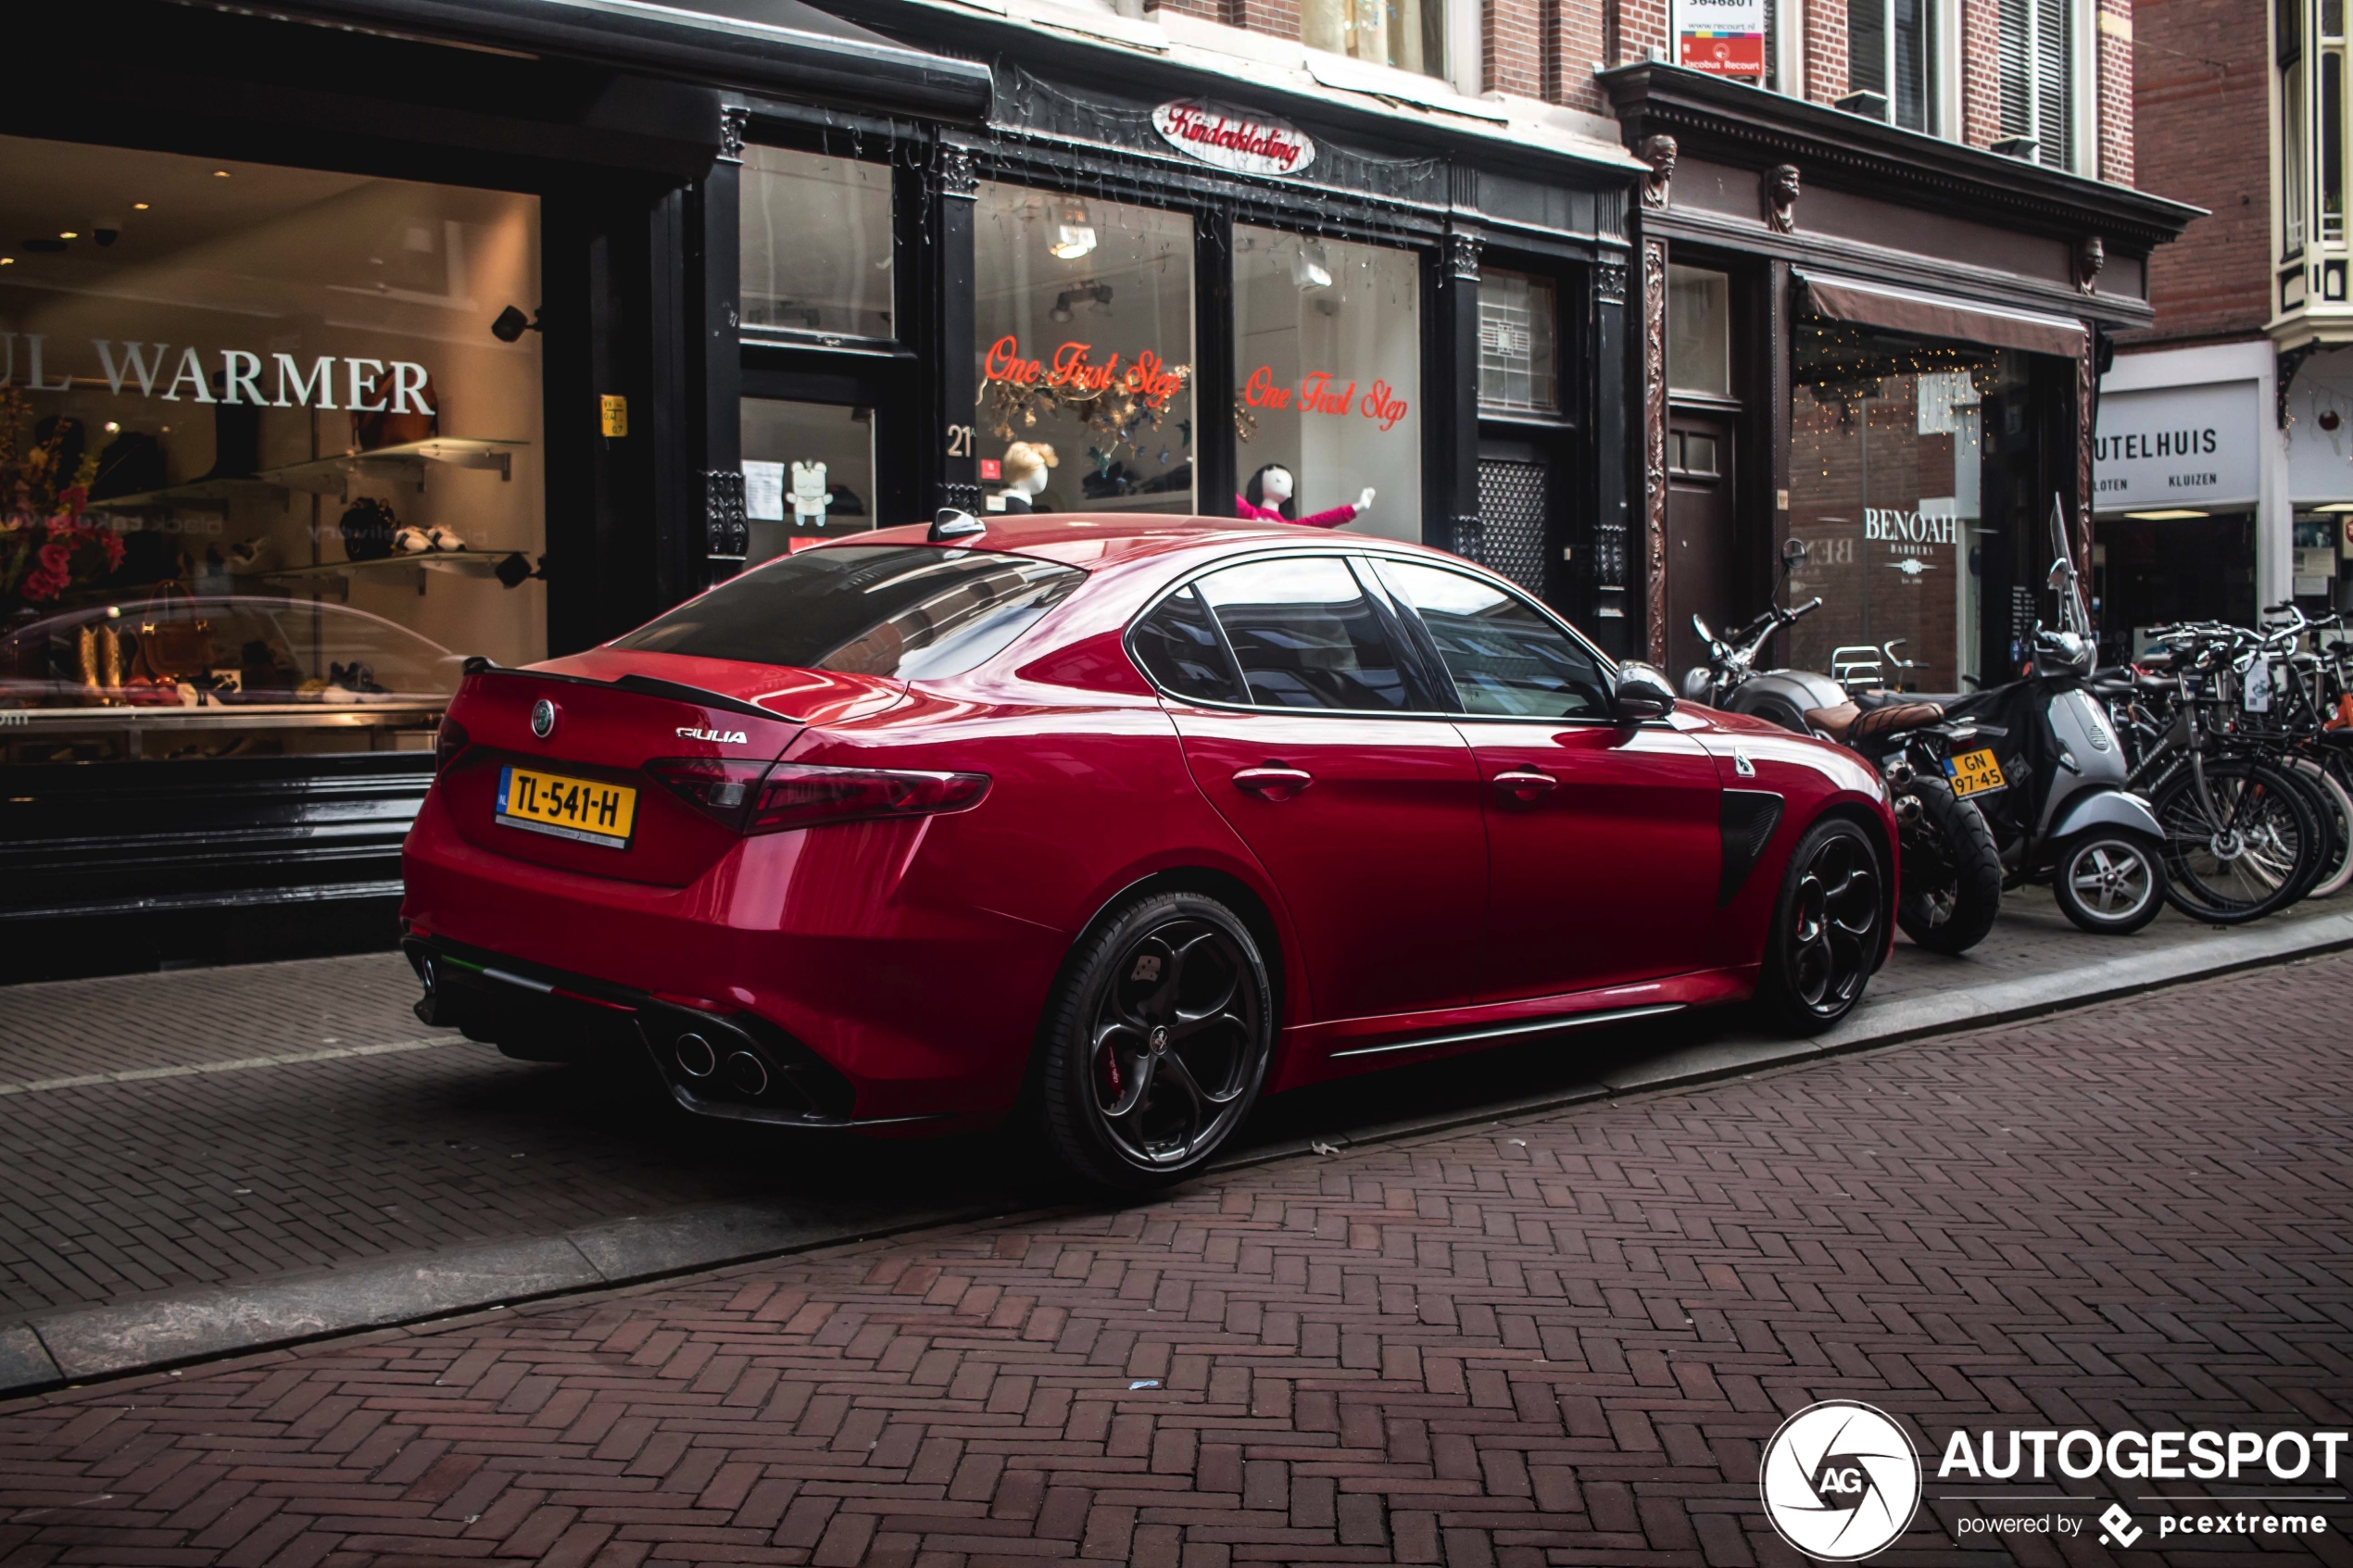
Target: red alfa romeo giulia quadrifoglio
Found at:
1117, 823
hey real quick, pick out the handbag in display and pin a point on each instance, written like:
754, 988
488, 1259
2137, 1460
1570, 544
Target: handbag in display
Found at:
175, 643
367, 528
382, 427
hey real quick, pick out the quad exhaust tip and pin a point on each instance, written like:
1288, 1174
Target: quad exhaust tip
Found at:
695, 1056
746, 1072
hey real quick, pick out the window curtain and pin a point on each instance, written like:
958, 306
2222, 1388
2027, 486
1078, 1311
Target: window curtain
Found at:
1409, 34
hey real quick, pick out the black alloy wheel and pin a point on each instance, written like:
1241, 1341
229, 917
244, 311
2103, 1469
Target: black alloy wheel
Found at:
1826, 936
1157, 1042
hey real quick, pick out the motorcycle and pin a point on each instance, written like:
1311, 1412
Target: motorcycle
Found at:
1951, 881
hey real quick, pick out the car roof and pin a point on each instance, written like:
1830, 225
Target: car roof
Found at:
1093, 540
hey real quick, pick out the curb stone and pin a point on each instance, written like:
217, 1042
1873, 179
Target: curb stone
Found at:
149, 1335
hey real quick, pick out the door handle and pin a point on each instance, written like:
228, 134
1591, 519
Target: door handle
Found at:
1526, 784
1273, 782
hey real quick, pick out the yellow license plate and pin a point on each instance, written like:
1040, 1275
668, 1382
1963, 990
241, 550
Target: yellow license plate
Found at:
579, 809
1976, 773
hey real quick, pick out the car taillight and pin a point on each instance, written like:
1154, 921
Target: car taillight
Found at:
794, 795
448, 742
752, 798
716, 786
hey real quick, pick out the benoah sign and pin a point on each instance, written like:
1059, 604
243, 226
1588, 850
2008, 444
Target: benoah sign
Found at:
1230, 141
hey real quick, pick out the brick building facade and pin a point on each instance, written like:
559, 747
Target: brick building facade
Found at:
2250, 307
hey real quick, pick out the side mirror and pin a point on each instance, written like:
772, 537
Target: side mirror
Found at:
1643, 693
1793, 553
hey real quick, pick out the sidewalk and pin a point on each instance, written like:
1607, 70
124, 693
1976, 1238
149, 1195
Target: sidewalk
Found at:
1558, 1337
202, 1161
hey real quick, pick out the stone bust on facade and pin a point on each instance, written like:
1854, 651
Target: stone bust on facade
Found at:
1778, 186
2090, 257
1659, 151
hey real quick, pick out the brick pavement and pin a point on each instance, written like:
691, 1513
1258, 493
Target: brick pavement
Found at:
1557, 1341
116, 1191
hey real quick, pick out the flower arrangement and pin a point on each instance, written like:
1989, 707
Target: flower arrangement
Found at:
45, 545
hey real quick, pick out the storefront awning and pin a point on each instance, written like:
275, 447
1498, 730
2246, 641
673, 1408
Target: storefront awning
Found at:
1930, 315
781, 46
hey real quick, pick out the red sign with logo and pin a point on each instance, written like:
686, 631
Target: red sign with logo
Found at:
1320, 392
1232, 141
1147, 375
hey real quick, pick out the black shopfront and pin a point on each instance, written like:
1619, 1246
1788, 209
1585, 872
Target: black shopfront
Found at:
365, 335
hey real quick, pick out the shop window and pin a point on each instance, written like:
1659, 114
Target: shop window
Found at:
1699, 332
816, 245
1327, 338
1084, 310
1518, 343
270, 441
1889, 449
2036, 66
1409, 34
809, 473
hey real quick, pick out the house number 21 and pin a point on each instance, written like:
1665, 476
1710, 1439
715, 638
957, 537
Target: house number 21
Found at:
960, 441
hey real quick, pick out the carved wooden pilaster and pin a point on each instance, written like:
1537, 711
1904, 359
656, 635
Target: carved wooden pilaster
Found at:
1654, 447
2087, 387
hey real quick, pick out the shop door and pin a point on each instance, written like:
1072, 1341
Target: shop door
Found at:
819, 457
1699, 534
1515, 512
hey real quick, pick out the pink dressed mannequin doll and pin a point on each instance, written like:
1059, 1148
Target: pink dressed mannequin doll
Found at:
1268, 499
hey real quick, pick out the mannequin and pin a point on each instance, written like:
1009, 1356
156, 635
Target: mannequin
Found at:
1025, 466
1268, 499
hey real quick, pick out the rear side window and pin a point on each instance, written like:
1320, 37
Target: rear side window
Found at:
1179, 650
904, 611
1505, 658
1305, 635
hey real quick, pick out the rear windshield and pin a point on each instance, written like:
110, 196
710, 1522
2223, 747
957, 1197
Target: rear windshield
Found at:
903, 611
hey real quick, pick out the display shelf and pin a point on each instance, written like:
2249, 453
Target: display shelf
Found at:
465, 563
1176, 503
356, 712
330, 475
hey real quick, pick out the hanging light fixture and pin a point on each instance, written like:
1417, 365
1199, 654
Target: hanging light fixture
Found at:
1312, 267
1074, 234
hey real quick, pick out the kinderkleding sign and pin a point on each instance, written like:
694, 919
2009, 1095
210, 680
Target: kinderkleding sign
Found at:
1230, 141
1840, 1481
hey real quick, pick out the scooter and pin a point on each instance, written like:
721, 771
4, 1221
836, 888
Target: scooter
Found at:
1951, 883
2052, 784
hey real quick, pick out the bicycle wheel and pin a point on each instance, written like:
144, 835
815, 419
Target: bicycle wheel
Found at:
2338, 804
2247, 856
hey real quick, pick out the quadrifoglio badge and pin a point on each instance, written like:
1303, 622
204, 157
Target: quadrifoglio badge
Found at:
1842, 1481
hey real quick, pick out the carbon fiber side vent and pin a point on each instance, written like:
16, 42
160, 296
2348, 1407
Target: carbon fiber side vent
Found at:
1748, 818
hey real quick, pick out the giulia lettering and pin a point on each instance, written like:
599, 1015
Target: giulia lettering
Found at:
717, 737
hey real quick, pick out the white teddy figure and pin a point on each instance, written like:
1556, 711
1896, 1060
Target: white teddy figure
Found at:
810, 496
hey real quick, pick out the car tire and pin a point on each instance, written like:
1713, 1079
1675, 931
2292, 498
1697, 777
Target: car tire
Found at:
1827, 934
1951, 889
1155, 1044
2109, 881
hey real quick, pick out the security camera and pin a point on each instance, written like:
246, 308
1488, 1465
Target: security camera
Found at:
512, 323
